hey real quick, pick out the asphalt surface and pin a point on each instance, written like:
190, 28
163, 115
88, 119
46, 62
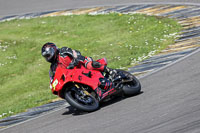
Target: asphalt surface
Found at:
19, 7
170, 103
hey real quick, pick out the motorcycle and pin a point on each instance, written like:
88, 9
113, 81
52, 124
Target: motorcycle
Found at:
80, 86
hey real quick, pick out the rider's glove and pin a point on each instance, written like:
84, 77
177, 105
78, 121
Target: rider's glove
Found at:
73, 64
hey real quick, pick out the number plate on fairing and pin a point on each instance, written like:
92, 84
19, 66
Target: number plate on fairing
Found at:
54, 84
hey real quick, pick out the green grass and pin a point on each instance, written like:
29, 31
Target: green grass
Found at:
123, 39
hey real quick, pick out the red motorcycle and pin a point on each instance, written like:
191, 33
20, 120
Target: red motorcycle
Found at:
80, 86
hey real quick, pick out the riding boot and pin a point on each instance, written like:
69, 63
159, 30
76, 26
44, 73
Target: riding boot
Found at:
111, 72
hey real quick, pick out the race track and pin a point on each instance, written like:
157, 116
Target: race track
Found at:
170, 103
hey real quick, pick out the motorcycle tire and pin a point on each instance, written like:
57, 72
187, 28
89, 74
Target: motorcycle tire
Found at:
133, 87
71, 99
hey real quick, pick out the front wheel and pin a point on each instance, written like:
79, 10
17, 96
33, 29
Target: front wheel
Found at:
79, 100
133, 87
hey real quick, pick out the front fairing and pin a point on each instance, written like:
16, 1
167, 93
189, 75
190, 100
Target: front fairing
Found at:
76, 75
56, 81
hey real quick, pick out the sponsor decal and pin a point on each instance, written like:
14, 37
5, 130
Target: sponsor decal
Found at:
109, 92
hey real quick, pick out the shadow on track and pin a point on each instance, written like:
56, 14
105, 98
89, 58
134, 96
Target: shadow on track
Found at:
73, 111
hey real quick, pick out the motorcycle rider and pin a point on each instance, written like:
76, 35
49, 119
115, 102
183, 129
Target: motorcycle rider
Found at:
69, 58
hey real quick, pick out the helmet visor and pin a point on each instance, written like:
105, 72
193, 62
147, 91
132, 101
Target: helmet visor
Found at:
48, 53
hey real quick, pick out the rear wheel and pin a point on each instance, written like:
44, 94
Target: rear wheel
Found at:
78, 99
133, 87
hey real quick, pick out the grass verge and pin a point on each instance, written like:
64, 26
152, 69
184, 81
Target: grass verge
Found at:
123, 39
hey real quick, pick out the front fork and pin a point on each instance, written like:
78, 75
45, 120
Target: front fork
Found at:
81, 90
82, 95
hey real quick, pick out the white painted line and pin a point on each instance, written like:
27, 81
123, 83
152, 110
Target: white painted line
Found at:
47, 113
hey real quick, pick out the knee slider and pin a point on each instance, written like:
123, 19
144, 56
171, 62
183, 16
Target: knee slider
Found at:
96, 64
